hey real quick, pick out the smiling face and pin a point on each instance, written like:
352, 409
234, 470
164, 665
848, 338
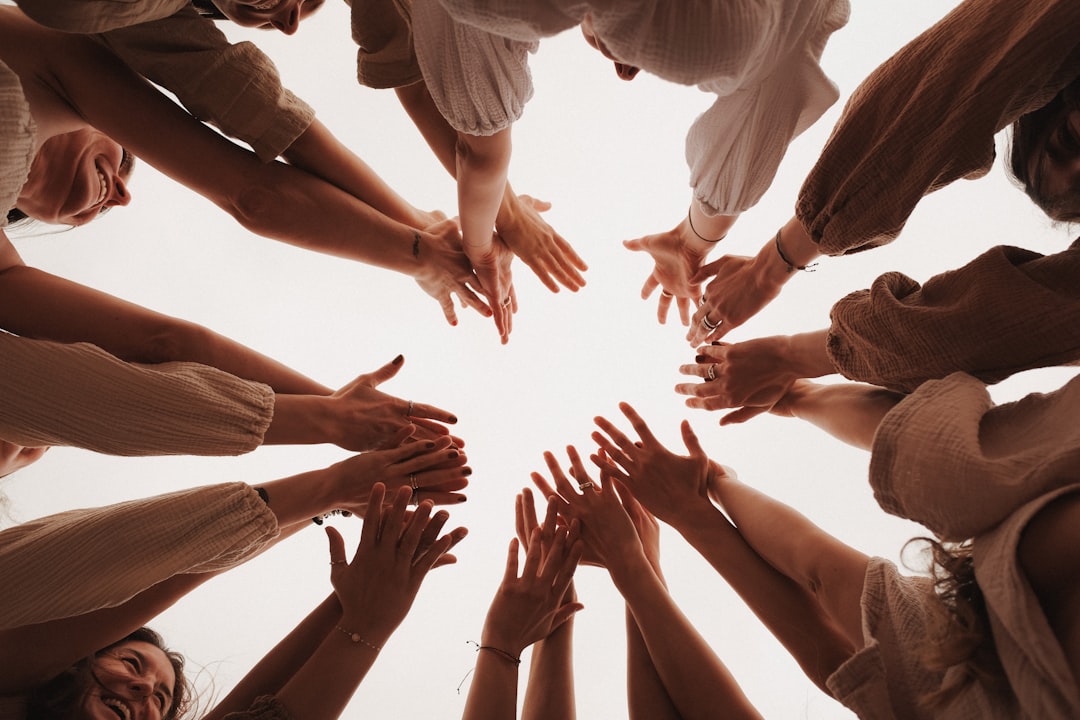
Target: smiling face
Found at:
74, 177
624, 71
135, 681
284, 15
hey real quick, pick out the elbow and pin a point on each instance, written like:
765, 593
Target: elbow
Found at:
173, 341
483, 153
254, 206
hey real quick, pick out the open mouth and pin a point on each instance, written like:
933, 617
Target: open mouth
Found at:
118, 706
265, 5
103, 186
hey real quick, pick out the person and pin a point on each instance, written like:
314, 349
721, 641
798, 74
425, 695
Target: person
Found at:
988, 635
899, 333
87, 107
221, 526
538, 607
672, 672
865, 185
762, 63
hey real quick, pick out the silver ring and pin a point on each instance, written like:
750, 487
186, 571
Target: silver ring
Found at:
702, 300
412, 483
506, 301
409, 411
665, 293
708, 325
585, 485
711, 374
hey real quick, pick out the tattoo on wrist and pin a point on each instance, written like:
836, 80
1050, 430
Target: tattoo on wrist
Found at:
415, 244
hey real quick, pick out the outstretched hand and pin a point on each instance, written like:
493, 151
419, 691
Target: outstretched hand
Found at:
677, 264
529, 237
492, 266
365, 418
397, 549
445, 270
15, 457
735, 294
668, 485
752, 376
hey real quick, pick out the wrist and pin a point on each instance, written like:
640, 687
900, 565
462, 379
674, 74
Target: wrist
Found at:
807, 356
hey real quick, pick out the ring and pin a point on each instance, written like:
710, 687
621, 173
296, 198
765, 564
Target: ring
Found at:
665, 293
506, 301
708, 325
409, 411
702, 300
338, 562
415, 489
711, 374
585, 485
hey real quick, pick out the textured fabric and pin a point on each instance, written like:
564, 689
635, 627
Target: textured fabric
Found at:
760, 59
234, 87
382, 30
1006, 311
928, 115
17, 133
950, 459
79, 395
886, 677
266, 707
69, 564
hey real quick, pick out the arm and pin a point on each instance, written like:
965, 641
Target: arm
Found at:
754, 374
676, 488
850, 412
694, 677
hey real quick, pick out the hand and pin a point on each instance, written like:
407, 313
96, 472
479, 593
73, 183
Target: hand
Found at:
648, 529
437, 468
537, 244
738, 291
526, 522
364, 418
397, 549
606, 529
444, 269
527, 609
669, 485
676, 264
752, 376
492, 266
15, 457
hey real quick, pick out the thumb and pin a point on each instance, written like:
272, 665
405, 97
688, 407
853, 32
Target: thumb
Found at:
337, 548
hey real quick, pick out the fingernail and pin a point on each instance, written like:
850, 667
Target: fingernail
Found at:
466, 471
399, 359
429, 444
700, 358
453, 419
452, 454
462, 499
716, 342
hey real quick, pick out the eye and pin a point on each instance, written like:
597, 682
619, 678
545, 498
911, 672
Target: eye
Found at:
161, 702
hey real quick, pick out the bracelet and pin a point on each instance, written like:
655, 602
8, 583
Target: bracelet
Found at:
516, 660
791, 267
318, 519
703, 239
263, 494
355, 637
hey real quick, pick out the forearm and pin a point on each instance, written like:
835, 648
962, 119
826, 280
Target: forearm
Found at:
706, 230
550, 689
482, 164
646, 696
271, 673
493, 693
296, 499
320, 153
695, 678
850, 412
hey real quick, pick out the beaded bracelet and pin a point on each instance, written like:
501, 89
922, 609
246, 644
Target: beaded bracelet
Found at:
791, 267
355, 637
694, 229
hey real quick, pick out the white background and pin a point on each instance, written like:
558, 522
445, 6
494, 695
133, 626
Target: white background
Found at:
609, 155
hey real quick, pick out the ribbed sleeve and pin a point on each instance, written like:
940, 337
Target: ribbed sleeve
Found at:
928, 116
382, 31
79, 395
83, 560
17, 133
1006, 311
266, 707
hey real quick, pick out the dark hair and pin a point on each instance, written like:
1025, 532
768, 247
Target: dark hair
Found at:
208, 9
958, 626
59, 698
1027, 149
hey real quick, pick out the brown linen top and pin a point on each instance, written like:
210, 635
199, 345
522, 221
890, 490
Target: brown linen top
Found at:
928, 116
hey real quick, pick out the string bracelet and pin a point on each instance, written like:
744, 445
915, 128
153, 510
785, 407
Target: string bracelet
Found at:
357, 640
694, 229
791, 267
515, 659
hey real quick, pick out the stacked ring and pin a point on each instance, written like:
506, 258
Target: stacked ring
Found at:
711, 374
709, 325
585, 485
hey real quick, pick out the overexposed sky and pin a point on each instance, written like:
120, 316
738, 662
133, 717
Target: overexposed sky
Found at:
609, 156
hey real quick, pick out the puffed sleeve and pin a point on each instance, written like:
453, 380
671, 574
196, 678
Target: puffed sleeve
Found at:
79, 395
234, 87
1008, 310
948, 458
480, 81
928, 116
382, 31
84, 560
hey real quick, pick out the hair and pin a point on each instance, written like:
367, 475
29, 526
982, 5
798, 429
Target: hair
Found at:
1027, 147
60, 697
959, 633
208, 9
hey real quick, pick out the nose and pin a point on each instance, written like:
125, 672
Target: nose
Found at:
626, 72
288, 20
119, 194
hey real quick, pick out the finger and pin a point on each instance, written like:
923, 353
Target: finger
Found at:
711, 390
551, 522
638, 423
413, 530
651, 283
743, 414
374, 516
381, 375
613, 458
468, 298
562, 484
511, 571
543, 485
519, 519
662, 307
429, 412
708, 271
577, 467
533, 556
690, 439
394, 519
623, 443
337, 547
607, 467
684, 309
636, 244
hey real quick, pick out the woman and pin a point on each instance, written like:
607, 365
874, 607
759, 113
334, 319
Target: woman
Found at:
118, 591
995, 638
761, 61
866, 184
